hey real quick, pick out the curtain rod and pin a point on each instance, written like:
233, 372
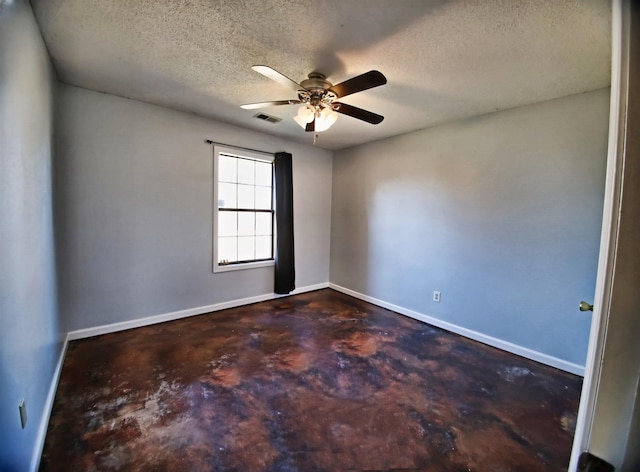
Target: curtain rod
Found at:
208, 141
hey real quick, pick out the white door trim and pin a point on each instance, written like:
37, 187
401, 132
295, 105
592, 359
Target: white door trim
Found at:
610, 224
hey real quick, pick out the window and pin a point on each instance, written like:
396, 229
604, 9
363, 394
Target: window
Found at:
243, 210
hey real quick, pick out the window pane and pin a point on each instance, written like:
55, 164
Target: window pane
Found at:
227, 223
263, 224
227, 169
246, 171
263, 173
244, 185
246, 224
227, 195
246, 248
246, 196
263, 247
263, 198
227, 249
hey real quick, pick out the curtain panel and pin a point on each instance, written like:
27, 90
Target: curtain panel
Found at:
285, 274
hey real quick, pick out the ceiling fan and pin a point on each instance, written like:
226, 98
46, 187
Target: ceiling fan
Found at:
318, 97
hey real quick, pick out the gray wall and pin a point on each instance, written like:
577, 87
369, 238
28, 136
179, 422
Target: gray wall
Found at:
501, 213
134, 208
30, 336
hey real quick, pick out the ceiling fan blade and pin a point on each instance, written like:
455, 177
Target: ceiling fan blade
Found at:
311, 126
365, 81
277, 77
253, 106
358, 113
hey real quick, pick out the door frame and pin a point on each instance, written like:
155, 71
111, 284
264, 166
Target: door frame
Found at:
610, 225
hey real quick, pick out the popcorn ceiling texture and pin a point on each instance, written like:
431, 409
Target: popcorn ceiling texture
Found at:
444, 60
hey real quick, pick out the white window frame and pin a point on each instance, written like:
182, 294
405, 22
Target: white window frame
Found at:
242, 153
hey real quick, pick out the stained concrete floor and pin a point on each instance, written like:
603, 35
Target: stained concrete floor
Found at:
313, 382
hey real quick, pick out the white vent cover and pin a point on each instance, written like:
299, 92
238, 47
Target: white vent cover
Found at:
269, 118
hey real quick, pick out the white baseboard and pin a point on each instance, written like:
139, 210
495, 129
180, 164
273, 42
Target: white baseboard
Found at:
48, 407
476, 336
176, 315
467, 333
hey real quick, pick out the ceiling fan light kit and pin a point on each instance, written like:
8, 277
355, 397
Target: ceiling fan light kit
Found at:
305, 115
325, 119
319, 110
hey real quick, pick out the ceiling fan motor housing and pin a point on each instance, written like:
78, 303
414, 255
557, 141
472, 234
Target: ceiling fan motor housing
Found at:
316, 81
316, 91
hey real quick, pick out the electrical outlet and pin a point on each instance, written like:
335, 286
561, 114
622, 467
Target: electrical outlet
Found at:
22, 407
436, 296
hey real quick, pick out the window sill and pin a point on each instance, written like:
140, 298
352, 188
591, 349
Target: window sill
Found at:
249, 265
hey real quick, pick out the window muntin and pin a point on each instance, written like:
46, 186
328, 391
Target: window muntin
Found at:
243, 210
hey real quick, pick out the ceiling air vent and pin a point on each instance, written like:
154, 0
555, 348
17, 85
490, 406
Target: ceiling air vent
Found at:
269, 118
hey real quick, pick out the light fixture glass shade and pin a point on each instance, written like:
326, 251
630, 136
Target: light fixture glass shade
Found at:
325, 119
305, 115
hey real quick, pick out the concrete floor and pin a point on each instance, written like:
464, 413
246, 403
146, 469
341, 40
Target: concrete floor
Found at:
313, 382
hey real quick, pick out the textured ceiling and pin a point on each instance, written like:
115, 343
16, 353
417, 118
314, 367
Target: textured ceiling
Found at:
444, 60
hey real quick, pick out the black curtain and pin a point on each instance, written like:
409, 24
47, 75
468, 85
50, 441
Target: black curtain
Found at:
285, 273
